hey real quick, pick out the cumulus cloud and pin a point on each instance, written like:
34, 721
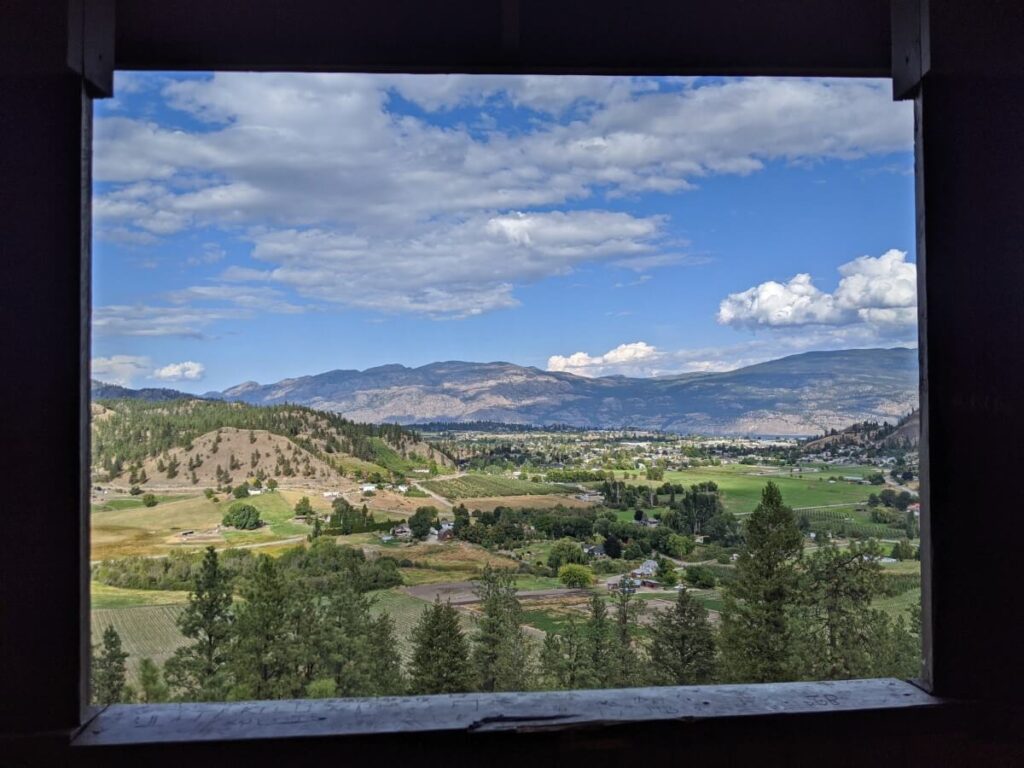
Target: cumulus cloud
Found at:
326, 179
456, 269
119, 369
878, 292
189, 370
637, 358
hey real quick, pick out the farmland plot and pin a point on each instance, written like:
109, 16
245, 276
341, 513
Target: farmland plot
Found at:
147, 631
477, 486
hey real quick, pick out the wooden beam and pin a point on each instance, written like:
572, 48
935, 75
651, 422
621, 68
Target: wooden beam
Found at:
822, 37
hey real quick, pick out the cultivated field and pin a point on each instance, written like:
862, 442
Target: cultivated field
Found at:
487, 504
741, 484
405, 610
146, 631
482, 486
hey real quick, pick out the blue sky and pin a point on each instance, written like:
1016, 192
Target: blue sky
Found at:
262, 226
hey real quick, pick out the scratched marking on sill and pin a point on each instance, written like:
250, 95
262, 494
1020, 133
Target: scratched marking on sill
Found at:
516, 719
823, 700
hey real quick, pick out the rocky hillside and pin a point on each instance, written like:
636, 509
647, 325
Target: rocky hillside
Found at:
806, 394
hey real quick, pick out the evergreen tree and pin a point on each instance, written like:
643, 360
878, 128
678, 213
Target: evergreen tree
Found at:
440, 657
108, 670
356, 651
841, 636
196, 670
599, 646
756, 634
565, 660
152, 687
260, 660
682, 646
501, 652
626, 618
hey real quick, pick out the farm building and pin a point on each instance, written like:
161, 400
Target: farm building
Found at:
645, 570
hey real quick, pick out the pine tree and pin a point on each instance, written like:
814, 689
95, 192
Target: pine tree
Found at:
440, 657
196, 670
841, 636
260, 659
682, 645
501, 652
153, 689
357, 651
564, 660
108, 670
599, 646
756, 635
626, 618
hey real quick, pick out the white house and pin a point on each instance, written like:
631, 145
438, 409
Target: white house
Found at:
367, 487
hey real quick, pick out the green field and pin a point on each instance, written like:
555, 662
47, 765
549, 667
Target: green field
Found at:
146, 631
741, 485
479, 486
900, 605
134, 502
103, 596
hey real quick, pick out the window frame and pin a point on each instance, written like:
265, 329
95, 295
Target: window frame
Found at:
824, 38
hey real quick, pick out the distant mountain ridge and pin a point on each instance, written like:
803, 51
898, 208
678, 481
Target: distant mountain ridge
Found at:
805, 394
103, 391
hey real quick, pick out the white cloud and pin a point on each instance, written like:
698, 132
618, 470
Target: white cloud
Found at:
877, 292
188, 370
327, 182
143, 320
637, 358
454, 269
211, 253
119, 369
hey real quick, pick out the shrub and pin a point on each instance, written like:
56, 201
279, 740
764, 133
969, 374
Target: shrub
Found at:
135, 490
244, 517
576, 576
149, 500
241, 492
699, 576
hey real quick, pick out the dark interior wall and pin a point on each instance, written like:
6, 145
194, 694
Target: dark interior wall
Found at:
43, 384
610, 36
971, 189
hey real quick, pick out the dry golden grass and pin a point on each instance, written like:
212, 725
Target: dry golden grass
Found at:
456, 555
147, 530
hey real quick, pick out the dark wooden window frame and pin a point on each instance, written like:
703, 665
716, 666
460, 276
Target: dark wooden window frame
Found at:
957, 63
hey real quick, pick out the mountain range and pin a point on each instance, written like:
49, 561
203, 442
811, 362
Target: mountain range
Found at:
803, 394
